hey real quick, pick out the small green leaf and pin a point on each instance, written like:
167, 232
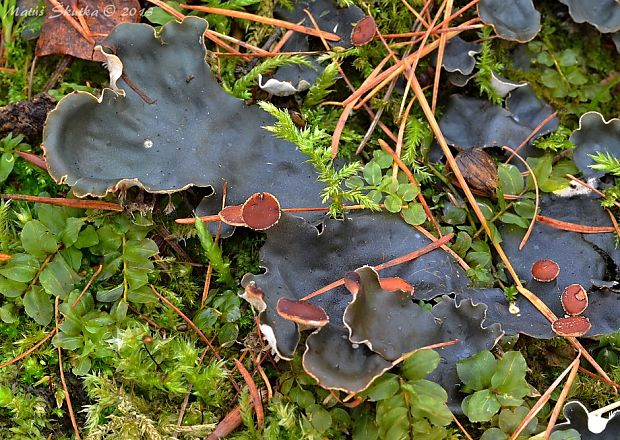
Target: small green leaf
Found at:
38, 305
513, 219
10, 288
7, 161
454, 216
525, 208
87, 237
372, 173
354, 182
509, 420
228, 333
383, 159
37, 240
110, 295
58, 278
70, 233
509, 377
476, 371
480, 406
408, 191
301, 397
420, 364
510, 179
364, 427
462, 243
392, 419
319, 417
383, 387
428, 400
569, 434
393, 203
494, 434
414, 214
487, 210
7, 313
21, 268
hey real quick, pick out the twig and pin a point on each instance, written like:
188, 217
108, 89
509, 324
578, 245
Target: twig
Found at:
573, 227
87, 286
542, 400
440, 52
456, 256
590, 187
531, 135
254, 395
265, 20
537, 201
461, 427
561, 399
228, 424
60, 8
33, 159
70, 203
62, 379
394, 262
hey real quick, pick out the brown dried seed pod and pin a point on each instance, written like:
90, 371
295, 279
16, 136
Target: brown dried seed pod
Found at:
545, 270
364, 31
479, 170
261, 211
574, 299
572, 326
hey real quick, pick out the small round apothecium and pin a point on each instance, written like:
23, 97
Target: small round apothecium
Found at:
574, 299
261, 211
574, 326
545, 270
302, 313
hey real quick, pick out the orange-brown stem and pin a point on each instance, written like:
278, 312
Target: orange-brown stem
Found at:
396, 261
265, 20
70, 203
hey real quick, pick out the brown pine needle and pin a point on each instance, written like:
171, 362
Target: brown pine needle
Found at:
440, 53
456, 256
396, 261
438, 31
537, 202
69, 203
542, 400
561, 399
531, 135
574, 227
228, 424
254, 395
169, 9
33, 159
62, 379
590, 187
462, 428
265, 20
77, 26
